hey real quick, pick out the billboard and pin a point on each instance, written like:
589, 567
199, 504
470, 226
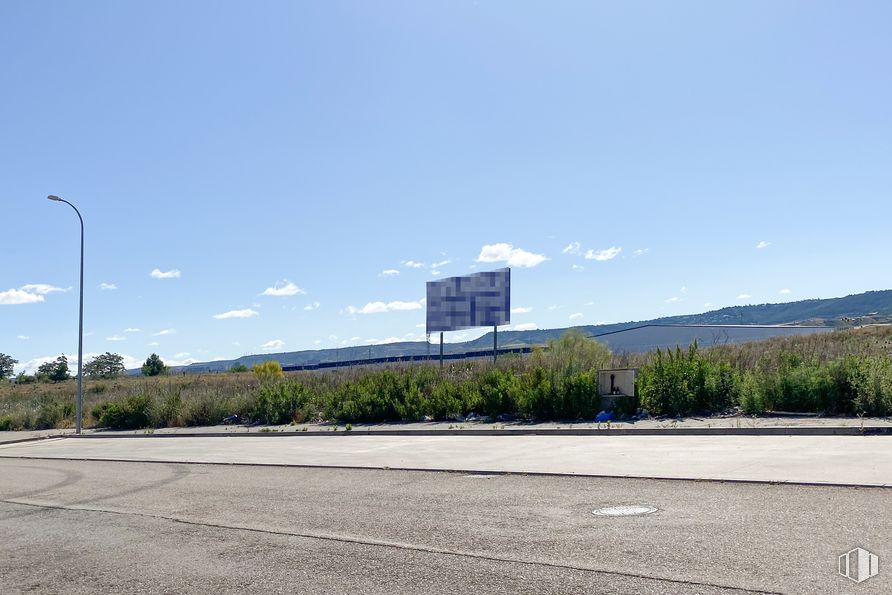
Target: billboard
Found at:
481, 299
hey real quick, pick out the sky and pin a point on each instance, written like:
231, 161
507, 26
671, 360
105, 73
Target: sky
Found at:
278, 176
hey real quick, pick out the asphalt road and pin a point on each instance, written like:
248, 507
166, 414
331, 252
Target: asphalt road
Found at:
92, 526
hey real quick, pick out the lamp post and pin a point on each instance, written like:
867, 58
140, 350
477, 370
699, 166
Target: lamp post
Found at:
80, 324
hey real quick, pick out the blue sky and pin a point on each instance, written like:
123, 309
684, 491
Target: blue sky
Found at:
293, 173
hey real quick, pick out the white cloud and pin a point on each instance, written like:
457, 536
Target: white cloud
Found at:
23, 337
317, 342
412, 264
287, 288
107, 286
442, 263
14, 297
572, 248
673, 299
131, 330
707, 305
27, 294
641, 252
577, 267
116, 338
684, 289
526, 326
435, 272
762, 244
785, 291
41, 288
575, 316
379, 307
246, 313
153, 344
744, 296
389, 273
513, 257
171, 274
182, 354
602, 255
589, 304
30, 366
554, 307
167, 331
272, 345
522, 310
313, 306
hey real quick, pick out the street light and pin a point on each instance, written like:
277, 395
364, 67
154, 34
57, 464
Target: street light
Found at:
80, 324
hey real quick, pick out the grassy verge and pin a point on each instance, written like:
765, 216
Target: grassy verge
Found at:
847, 372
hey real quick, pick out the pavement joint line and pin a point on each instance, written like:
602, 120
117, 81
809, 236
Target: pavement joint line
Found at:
818, 484
384, 544
21, 442
699, 431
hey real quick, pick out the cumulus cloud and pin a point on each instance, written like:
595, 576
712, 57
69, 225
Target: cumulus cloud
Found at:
526, 326
380, 307
245, 313
575, 316
313, 306
283, 289
171, 274
30, 366
522, 310
272, 345
27, 294
572, 248
762, 244
389, 273
513, 257
602, 255
107, 286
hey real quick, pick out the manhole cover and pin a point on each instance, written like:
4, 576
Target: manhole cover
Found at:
633, 510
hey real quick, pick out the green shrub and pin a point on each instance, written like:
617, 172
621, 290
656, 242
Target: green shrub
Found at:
5, 423
53, 414
131, 413
281, 403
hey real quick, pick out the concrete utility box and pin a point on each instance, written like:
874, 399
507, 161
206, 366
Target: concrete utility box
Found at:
618, 382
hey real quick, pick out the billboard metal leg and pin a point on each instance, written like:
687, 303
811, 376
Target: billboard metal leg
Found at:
441, 350
495, 343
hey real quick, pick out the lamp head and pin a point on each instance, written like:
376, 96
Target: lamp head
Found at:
54, 197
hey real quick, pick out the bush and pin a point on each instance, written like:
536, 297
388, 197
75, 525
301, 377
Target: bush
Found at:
281, 403
53, 414
268, 371
131, 413
5, 423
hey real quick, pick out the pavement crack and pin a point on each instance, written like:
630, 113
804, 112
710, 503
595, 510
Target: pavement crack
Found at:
381, 543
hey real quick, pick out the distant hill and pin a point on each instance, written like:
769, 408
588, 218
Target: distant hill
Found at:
863, 308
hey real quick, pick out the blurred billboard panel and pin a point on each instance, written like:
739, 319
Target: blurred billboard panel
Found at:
480, 299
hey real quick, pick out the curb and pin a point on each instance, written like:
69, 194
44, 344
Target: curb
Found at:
769, 431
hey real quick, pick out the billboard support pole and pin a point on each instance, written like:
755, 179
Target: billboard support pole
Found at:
495, 343
441, 350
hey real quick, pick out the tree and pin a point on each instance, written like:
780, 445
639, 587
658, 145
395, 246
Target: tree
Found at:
153, 366
6, 366
238, 368
54, 371
107, 365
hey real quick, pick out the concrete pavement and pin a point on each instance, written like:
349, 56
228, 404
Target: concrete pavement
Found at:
843, 460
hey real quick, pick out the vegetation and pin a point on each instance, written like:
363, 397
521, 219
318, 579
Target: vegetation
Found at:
236, 368
54, 371
108, 365
154, 366
845, 372
7, 363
